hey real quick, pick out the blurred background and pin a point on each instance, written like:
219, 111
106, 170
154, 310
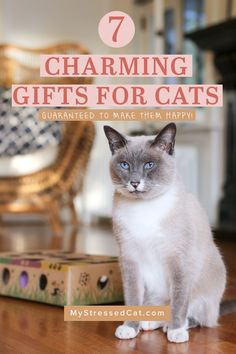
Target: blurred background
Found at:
40, 186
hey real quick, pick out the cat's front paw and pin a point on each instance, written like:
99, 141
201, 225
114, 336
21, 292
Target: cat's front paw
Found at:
178, 335
150, 325
165, 328
126, 332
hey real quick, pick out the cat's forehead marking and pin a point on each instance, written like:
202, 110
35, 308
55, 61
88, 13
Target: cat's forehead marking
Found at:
140, 140
139, 146
137, 150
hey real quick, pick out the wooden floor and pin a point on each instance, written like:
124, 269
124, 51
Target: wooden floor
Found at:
28, 328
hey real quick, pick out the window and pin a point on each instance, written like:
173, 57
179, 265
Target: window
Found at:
193, 19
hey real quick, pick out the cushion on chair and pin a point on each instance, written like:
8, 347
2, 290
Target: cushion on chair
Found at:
21, 165
20, 130
27, 145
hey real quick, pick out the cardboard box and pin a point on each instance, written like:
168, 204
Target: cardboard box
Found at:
61, 278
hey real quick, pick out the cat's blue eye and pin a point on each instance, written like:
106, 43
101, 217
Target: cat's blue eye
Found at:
148, 165
124, 165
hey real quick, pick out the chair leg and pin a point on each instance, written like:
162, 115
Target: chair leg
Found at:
56, 242
55, 219
73, 238
74, 217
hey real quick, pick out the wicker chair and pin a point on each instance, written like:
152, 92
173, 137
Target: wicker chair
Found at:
54, 187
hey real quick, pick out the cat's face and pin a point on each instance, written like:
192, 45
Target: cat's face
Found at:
142, 167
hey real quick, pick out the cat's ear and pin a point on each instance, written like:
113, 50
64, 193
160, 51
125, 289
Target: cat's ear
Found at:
115, 139
165, 140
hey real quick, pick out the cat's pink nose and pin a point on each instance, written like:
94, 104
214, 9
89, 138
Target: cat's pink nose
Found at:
135, 184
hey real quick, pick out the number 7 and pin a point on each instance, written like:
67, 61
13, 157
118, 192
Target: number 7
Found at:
116, 18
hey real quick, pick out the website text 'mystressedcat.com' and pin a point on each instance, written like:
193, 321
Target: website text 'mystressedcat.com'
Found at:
116, 313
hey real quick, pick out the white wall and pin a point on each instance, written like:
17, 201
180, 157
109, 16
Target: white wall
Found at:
37, 23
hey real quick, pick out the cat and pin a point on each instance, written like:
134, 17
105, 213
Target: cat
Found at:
167, 252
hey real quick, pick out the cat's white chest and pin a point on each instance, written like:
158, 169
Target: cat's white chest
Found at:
143, 239
142, 219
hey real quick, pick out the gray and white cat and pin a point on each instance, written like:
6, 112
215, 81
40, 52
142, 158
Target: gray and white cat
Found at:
167, 252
